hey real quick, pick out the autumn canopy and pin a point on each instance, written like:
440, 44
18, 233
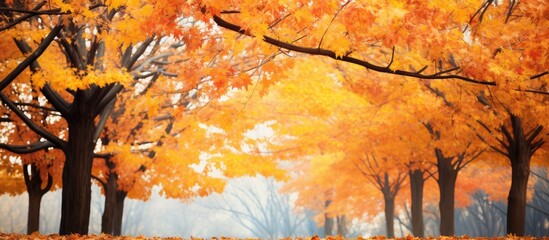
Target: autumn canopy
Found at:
393, 96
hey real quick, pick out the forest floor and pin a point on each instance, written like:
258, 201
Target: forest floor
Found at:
4, 236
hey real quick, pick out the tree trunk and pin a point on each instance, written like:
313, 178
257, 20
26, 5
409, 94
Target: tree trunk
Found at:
35, 192
76, 196
107, 220
341, 225
519, 155
328, 221
389, 215
33, 220
416, 186
119, 213
447, 176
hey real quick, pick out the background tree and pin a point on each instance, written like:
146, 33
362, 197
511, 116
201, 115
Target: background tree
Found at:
39, 168
388, 184
535, 214
482, 217
263, 210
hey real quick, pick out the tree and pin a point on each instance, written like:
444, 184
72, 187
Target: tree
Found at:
39, 168
519, 145
92, 93
417, 177
377, 172
98, 67
448, 168
482, 43
481, 218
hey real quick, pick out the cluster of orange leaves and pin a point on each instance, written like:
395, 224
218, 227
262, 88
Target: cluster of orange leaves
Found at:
36, 236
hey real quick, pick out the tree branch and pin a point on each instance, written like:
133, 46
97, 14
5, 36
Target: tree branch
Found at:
500, 141
536, 145
103, 155
377, 68
138, 53
507, 134
111, 94
103, 183
330, 24
31, 124
31, 58
22, 18
546, 213
492, 146
471, 159
30, 148
439, 94
539, 176
26, 175
140, 66
47, 188
72, 54
540, 75
103, 119
328, 53
35, 106
533, 134
54, 11
55, 99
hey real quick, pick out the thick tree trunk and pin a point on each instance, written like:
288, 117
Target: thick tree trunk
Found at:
389, 215
519, 155
416, 186
76, 196
119, 213
107, 220
447, 176
516, 208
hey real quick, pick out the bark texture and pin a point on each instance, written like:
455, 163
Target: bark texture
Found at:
519, 152
447, 176
417, 183
76, 196
107, 219
390, 215
119, 213
33, 183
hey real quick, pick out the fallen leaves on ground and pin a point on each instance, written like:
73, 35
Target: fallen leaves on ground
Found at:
35, 236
